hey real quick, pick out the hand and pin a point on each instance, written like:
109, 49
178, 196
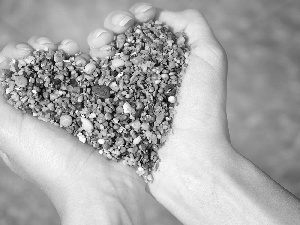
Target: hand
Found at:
85, 187
200, 142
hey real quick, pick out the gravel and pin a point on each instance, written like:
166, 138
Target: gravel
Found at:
122, 105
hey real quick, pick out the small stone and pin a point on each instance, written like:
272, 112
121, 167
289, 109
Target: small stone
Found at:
58, 56
127, 108
172, 99
169, 90
136, 125
117, 63
86, 125
165, 76
101, 141
21, 81
89, 68
108, 116
139, 105
145, 126
150, 178
102, 91
65, 120
81, 137
137, 140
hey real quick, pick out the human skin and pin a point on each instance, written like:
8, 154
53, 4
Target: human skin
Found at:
201, 179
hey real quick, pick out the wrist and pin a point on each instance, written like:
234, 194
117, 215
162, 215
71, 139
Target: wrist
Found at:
192, 184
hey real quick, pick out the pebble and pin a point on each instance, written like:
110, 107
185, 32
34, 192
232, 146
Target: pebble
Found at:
117, 63
86, 125
136, 125
89, 68
101, 141
137, 140
127, 108
65, 120
165, 76
102, 91
172, 99
81, 137
21, 81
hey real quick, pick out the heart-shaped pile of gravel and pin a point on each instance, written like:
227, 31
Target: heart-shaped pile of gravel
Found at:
121, 105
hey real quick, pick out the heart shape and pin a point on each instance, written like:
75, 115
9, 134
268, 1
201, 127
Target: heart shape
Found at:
122, 105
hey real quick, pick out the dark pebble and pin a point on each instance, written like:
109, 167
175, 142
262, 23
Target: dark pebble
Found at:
102, 91
170, 90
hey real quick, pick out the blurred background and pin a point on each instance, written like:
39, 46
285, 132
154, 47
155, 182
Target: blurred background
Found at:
262, 40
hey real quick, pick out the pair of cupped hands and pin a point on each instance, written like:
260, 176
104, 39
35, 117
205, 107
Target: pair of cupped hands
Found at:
85, 187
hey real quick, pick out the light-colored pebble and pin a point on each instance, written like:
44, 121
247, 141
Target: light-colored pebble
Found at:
145, 126
81, 137
136, 125
172, 99
165, 76
92, 115
101, 141
127, 108
53, 96
150, 178
65, 120
80, 98
21, 81
89, 68
137, 140
117, 63
86, 124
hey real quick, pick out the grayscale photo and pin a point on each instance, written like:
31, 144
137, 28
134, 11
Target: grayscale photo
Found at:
171, 112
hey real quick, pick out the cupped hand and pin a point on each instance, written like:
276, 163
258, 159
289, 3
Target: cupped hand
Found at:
65, 167
85, 187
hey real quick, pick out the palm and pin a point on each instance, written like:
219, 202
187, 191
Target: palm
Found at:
200, 121
39, 148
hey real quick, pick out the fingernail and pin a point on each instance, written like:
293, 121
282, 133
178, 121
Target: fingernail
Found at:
121, 20
24, 47
142, 8
68, 41
99, 32
44, 41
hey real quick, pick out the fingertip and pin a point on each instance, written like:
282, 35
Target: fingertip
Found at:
119, 21
41, 43
15, 50
102, 52
143, 12
69, 46
100, 37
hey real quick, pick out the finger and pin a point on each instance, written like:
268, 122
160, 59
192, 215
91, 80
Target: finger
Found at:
100, 37
143, 12
102, 52
41, 43
192, 22
69, 46
119, 21
14, 50
13, 167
